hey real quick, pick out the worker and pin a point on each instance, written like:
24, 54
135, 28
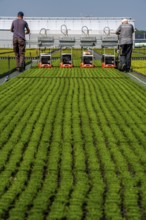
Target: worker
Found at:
19, 28
125, 32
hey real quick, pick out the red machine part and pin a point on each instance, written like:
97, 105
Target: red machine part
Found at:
104, 65
62, 65
40, 65
83, 65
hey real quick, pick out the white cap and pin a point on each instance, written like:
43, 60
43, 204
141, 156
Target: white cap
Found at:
125, 20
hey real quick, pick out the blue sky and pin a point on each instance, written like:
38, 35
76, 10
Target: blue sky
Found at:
56, 8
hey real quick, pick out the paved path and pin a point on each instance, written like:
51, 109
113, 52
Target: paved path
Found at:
137, 77
12, 75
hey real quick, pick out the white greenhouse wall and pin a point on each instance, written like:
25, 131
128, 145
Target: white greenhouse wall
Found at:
74, 25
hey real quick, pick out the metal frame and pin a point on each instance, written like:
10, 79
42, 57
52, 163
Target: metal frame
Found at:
66, 42
47, 42
86, 44
109, 41
86, 52
104, 62
63, 64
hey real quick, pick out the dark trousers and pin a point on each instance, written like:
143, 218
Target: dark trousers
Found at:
126, 55
19, 50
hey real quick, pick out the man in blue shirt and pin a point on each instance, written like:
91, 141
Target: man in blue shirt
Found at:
19, 26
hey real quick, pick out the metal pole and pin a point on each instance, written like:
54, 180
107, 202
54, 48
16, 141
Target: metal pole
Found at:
29, 42
7, 76
9, 64
60, 54
30, 58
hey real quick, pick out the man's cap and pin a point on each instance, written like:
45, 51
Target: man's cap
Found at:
20, 14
